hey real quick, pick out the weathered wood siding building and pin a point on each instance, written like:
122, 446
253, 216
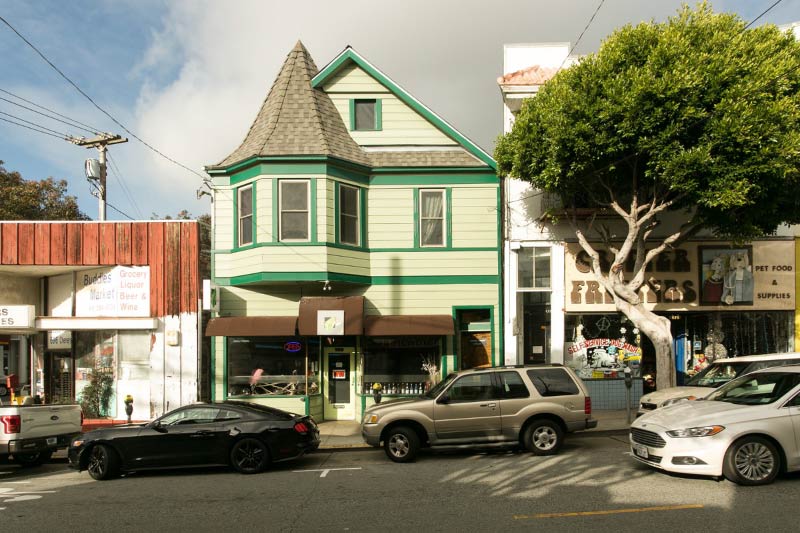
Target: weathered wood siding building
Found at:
112, 298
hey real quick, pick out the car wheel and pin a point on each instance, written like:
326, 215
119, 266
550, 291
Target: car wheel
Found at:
752, 461
33, 459
401, 444
3, 390
543, 437
249, 456
103, 463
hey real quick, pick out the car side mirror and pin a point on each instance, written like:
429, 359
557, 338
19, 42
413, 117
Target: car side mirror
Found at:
156, 425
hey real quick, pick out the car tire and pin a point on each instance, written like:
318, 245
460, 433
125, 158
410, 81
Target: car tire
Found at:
3, 390
103, 463
752, 461
543, 437
33, 459
249, 456
401, 444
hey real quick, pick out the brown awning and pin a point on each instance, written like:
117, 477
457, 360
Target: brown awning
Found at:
252, 326
391, 325
353, 307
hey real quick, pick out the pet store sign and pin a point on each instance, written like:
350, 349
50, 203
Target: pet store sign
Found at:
694, 276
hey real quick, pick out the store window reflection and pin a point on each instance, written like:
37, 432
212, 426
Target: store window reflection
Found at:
272, 366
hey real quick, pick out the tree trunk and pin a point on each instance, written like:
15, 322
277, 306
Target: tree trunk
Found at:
657, 328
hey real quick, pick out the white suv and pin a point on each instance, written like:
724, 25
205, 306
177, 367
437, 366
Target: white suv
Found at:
717, 373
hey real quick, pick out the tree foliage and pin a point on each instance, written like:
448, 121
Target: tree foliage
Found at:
694, 121
696, 114
46, 199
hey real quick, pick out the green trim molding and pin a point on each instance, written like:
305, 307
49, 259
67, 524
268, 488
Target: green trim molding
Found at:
236, 246
281, 277
361, 249
349, 55
495, 343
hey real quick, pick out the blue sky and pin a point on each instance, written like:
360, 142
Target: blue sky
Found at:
189, 77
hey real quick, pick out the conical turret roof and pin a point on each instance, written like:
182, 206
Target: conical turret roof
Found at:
296, 119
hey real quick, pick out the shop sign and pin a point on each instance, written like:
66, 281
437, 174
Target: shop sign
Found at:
17, 316
694, 277
113, 292
293, 346
59, 340
330, 322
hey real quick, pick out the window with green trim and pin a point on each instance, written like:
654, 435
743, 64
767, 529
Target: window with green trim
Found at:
245, 203
349, 219
366, 115
295, 212
432, 207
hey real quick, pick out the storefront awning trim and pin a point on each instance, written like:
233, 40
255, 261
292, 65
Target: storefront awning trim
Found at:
353, 307
75, 323
252, 326
397, 325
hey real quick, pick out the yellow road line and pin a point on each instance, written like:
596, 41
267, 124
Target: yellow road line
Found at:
611, 511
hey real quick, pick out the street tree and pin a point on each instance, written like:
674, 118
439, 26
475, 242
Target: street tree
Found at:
670, 129
46, 199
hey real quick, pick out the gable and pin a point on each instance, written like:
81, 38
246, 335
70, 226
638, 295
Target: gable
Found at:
404, 119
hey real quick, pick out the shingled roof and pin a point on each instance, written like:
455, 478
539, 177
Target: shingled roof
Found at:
297, 119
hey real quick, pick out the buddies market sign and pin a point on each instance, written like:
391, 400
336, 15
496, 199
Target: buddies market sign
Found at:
696, 276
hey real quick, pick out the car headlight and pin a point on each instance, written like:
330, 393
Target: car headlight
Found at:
704, 431
676, 400
371, 418
77, 443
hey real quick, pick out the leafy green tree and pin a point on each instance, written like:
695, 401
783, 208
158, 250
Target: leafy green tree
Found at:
669, 129
47, 199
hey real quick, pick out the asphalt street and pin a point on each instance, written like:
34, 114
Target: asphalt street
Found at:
593, 485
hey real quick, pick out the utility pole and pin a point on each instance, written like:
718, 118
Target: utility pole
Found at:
100, 142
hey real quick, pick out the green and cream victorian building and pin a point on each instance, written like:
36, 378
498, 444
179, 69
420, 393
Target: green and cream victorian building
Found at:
356, 241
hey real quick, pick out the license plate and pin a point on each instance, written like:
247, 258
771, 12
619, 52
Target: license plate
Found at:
640, 450
51, 441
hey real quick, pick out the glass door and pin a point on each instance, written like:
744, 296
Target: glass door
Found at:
339, 384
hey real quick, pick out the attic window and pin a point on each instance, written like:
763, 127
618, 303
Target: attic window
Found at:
365, 115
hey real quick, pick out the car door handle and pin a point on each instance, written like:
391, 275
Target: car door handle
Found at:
488, 405
202, 433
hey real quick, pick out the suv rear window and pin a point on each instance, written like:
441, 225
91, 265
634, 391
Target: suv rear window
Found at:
552, 382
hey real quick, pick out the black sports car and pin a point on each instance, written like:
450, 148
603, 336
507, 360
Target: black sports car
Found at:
244, 435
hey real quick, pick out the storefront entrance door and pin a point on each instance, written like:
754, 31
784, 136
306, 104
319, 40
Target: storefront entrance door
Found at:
338, 391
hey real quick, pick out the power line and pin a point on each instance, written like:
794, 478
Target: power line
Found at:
54, 132
118, 175
43, 114
75, 123
580, 36
763, 13
106, 113
32, 129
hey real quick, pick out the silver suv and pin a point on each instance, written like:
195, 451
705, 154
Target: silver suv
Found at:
534, 406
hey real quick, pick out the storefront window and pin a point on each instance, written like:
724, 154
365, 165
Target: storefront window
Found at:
272, 366
95, 365
601, 346
402, 365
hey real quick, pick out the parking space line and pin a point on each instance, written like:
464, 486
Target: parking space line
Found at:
326, 470
611, 511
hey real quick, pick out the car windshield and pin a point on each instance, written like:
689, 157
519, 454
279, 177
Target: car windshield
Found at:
756, 389
715, 375
439, 387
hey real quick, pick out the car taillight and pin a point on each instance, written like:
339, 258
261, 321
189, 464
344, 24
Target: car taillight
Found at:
300, 427
587, 405
11, 423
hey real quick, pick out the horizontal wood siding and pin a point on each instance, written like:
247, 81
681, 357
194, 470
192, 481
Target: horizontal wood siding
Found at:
326, 210
271, 259
475, 217
390, 217
352, 79
240, 301
263, 213
348, 262
455, 263
223, 217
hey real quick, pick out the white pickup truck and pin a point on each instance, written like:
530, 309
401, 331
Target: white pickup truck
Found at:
31, 433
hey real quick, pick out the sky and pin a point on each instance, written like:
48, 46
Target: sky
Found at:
188, 77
